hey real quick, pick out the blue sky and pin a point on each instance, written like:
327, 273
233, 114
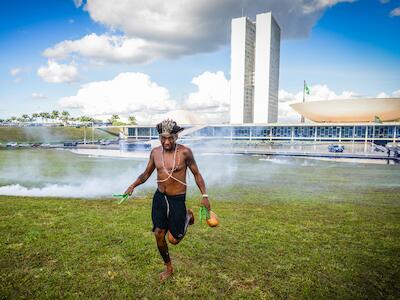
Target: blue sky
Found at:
347, 47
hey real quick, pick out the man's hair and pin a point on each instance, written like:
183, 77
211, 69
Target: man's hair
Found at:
168, 126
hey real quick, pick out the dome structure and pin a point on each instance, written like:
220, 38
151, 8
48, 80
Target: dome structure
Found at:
350, 110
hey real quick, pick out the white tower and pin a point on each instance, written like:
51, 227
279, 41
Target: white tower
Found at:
255, 48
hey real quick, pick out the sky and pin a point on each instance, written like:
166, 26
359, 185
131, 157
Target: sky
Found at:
146, 58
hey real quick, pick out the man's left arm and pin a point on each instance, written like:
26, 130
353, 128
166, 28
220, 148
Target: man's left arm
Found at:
191, 163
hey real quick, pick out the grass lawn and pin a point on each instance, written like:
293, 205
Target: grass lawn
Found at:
314, 248
49, 134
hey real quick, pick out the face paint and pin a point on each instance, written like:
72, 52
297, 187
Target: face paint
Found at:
168, 141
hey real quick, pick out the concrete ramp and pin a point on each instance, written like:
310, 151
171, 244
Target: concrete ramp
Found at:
380, 148
393, 146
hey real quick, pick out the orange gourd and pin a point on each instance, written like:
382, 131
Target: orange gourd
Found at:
213, 220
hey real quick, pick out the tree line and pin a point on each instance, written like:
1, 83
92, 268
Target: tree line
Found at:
65, 117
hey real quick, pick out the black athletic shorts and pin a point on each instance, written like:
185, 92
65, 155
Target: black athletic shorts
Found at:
169, 212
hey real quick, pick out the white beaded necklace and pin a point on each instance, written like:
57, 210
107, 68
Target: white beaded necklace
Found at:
173, 168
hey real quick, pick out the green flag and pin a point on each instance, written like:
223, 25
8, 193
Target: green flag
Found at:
306, 88
377, 119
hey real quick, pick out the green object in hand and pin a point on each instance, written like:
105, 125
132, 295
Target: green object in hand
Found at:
122, 196
204, 213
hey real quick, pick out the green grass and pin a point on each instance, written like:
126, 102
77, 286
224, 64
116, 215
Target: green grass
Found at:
49, 134
277, 248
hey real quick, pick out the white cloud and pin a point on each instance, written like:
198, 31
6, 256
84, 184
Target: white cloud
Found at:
211, 100
15, 71
318, 5
207, 19
395, 12
317, 92
212, 93
58, 73
106, 48
135, 93
395, 94
127, 93
78, 3
156, 29
35, 95
382, 95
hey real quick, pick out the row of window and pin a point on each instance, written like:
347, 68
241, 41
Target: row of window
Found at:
286, 131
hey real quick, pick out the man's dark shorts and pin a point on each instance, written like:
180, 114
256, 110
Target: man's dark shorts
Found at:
169, 212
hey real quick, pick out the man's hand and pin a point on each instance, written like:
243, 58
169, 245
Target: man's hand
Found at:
206, 203
129, 191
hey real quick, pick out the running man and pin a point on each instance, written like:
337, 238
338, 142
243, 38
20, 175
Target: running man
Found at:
169, 212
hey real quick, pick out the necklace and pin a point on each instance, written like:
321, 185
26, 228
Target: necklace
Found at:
173, 168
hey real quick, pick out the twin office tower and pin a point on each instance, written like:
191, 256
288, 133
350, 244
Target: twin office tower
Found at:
255, 48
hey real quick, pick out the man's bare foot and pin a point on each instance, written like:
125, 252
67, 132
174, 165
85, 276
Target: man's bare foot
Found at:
167, 273
191, 214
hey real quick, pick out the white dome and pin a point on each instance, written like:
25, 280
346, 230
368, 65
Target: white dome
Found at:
350, 110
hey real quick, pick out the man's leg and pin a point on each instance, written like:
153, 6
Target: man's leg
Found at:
163, 249
189, 221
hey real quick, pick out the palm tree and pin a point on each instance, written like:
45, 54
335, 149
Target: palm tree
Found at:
65, 116
47, 116
25, 118
54, 115
42, 115
35, 116
132, 120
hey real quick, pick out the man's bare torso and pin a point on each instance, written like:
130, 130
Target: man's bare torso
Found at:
171, 186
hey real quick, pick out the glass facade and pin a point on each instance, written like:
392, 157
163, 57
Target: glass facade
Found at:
328, 131
154, 131
222, 131
384, 132
346, 132
370, 132
241, 131
305, 132
359, 131
282, 131
131, 132
143, 131
260, 131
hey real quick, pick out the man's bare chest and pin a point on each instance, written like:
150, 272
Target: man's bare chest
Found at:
170, 162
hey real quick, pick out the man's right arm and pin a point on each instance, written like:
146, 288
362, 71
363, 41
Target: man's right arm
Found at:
144, 176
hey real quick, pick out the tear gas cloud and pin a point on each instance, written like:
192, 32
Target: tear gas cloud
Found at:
62, 173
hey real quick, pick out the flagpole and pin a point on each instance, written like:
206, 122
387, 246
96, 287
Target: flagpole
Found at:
304, 99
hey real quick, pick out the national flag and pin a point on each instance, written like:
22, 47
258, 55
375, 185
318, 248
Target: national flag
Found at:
377, 119
306, 88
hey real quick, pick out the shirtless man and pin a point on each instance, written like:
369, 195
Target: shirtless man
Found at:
169, 212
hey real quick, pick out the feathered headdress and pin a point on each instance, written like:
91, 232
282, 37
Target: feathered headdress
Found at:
168, 126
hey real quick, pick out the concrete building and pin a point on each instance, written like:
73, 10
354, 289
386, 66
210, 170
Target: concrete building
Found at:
318, 132
255, 51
